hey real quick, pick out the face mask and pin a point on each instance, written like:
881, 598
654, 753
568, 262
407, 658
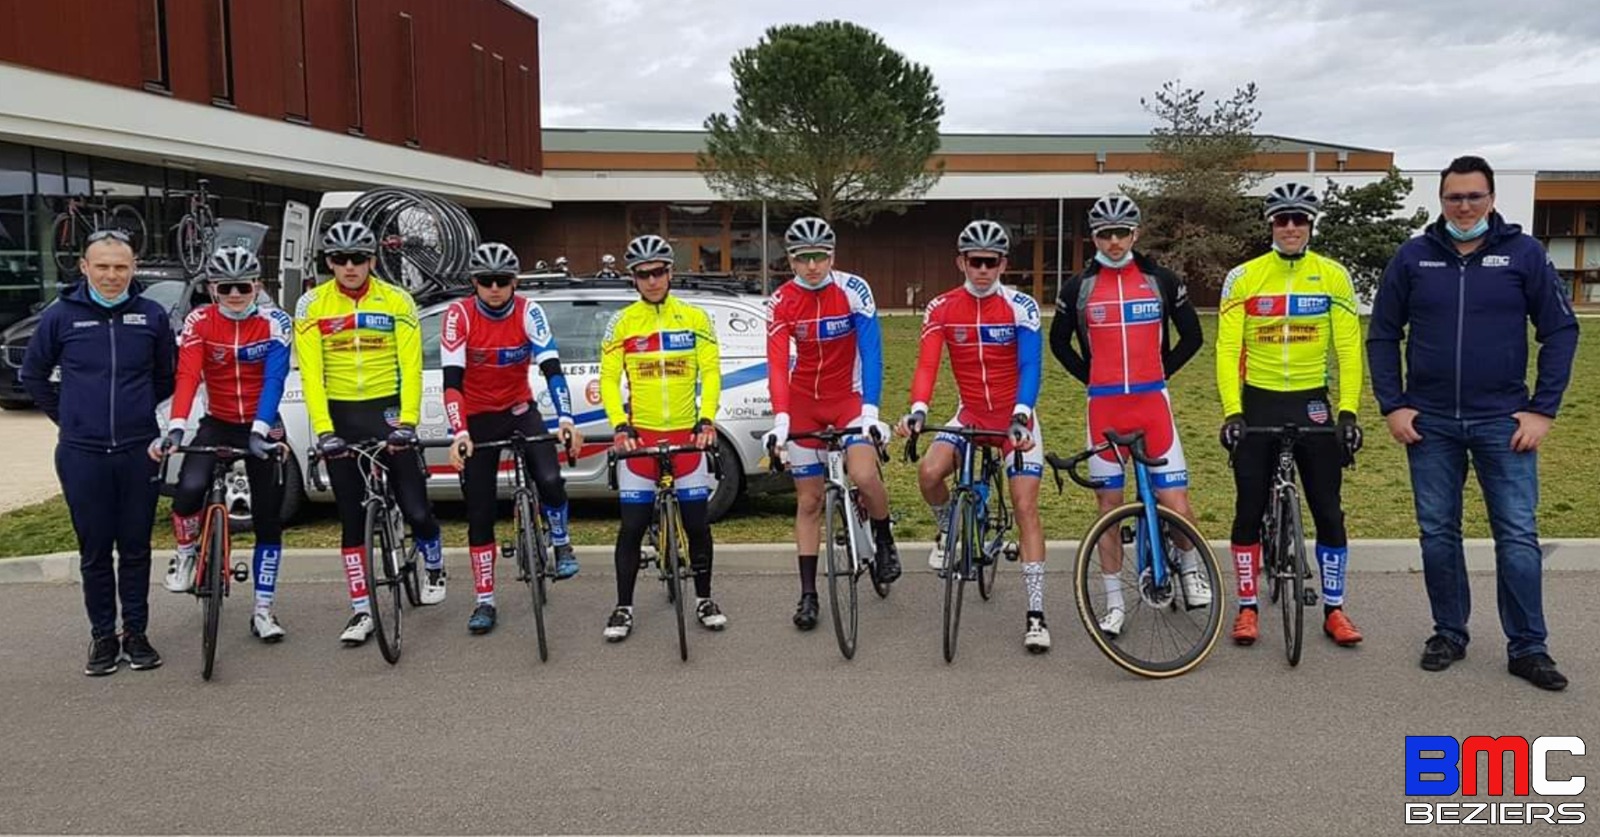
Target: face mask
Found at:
810, 287
1477, 230
107, 303
983, 292
1285, 253
1102, 258
238, 315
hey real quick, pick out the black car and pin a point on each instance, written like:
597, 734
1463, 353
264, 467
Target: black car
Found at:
165, 285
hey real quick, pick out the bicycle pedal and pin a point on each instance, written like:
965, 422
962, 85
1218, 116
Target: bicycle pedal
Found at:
1012, 552
508, 551
241, 572
1309, 597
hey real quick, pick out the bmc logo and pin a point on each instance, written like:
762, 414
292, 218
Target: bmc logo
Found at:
1496, 261
1456, 765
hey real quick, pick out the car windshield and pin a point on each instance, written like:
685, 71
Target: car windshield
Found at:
165, 294
578, 324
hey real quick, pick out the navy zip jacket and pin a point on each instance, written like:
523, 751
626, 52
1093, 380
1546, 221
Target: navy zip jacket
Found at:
1464, 320
116, 364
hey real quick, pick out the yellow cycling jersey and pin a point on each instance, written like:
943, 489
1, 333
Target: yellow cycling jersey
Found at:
1275, 323
358, 350
668, 352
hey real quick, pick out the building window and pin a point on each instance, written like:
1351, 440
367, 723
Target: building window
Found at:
524, 120
294, 63
153, 45
499, 118
479, 109
222, 52
408, 96
357, 126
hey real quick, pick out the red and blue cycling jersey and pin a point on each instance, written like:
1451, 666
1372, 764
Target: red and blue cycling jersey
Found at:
486, 354
838, 348
243, 362
995, 354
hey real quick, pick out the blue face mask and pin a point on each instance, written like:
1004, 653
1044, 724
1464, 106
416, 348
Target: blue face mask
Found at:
238, 315
104, 302
1476, 232
1102, 258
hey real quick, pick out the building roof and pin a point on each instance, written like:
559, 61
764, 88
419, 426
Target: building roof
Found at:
688, 142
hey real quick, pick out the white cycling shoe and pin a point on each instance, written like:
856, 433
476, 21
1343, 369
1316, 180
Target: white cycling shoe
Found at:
358, 628
264, 626
180, 573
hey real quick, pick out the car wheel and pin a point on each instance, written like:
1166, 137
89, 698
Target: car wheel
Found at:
16, 403
239, 499
731, 487
294, 490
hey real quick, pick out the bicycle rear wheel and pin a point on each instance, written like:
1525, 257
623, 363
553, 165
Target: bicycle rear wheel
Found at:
958, 562
213, 563
67, 237
1164, 634
191, 245
384, 587
672, 571
842, 571
1291, 573
531, 558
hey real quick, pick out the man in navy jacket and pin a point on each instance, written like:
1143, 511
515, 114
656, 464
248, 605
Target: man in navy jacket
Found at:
116, 351
1461, 296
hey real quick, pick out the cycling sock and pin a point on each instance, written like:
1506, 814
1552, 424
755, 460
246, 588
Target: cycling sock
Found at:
186, 530
265, 562
1333, 560
882, 531
941, 515
1188, 560
808, 575
1033, 579
483, 571
1328, 609
1113, 583
557, 516
432, 553
1245, 559
355, 576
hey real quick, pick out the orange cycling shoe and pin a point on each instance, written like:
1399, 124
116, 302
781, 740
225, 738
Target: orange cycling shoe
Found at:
1341, 629
1244, 627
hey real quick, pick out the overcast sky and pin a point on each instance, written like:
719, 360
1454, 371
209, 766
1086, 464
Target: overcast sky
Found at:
1518, 82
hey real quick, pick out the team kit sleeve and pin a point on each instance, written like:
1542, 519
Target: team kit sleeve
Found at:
1186, 320
708, 360
408, 354
1556, 329
1230, 342
780, 331
547, 355
929, 347
611, 363
1030, 353
1384, 332
275, 370
44, 352
453, 334
1345, 325
308, 348
165, 362
869, 340
191, 355
1064, 329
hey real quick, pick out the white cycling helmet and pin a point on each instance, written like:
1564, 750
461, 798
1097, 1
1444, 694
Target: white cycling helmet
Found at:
808, 233
1114, 211
1292, 197
984, 235
647, 248
349, 237
494, 259
233, 263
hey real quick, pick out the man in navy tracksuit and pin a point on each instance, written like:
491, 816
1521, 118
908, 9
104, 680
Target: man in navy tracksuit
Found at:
116, 354
1461, 296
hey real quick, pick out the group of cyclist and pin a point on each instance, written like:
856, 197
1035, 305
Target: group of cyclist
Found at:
360, 355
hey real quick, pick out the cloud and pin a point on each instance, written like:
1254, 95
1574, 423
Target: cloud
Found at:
1514, 81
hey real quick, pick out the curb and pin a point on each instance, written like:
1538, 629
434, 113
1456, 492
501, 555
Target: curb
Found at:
1368, 556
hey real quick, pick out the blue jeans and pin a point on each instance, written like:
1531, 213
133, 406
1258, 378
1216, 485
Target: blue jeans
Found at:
1510, 483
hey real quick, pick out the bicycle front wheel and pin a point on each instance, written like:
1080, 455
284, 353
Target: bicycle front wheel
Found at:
213, 563
842, 571
128, 219
384, 587
531, 558
191, 245
1291, 576
672, 569
1168, 626
958, 563
66, 235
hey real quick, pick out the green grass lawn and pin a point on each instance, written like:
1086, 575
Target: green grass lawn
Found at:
1377, 492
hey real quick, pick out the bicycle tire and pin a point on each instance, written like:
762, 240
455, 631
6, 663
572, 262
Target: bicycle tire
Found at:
957, 562
1292, 569
659, 544
869, 561
1087, 572
672, 572
190, 245
124, 217
842, 571
214, 562
66, 236
988, 569
384, 591
531, 558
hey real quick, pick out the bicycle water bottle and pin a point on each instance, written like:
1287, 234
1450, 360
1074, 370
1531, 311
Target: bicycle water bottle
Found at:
982, 511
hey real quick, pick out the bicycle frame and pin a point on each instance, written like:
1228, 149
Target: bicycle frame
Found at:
988, 470
1149, 546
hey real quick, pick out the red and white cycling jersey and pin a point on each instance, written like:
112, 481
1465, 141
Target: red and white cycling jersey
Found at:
995, 353
495, 352
244, 363
837, 345
1123, 319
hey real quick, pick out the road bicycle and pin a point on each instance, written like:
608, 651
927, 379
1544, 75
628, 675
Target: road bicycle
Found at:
196, 231
83, 217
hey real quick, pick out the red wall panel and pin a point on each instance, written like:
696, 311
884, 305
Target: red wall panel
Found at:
71, 37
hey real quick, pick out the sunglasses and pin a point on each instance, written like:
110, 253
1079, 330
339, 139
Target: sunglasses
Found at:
1291, 219
811, 258
500, 281
1110, 233
652, 273
1466, 197
349, 258
983, 262
229, 288
115, 235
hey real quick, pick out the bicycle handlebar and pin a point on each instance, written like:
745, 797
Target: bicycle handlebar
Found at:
969, 433
519, 439
364, 447
831, 436
663, 453
1114, 441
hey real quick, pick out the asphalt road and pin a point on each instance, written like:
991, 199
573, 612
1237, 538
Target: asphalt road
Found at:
763, 730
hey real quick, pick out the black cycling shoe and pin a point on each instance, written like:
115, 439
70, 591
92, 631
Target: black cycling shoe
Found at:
104, 654
1539, 670
805, 616
141, 656
482, 619
888, 562
1440, 652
